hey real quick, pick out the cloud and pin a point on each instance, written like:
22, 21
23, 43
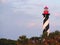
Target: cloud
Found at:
29, 7
57, 14
31, 24
26, 24
4, 1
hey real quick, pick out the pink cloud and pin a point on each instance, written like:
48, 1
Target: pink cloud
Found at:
31, 24
54, 24
3, 1
57, 14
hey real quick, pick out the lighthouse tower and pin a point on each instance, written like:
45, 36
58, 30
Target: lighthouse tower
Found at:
46, 21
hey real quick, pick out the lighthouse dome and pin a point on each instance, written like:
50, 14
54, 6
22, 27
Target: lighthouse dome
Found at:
45, 7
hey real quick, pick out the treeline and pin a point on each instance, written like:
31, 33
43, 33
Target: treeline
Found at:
4, 41
52, 39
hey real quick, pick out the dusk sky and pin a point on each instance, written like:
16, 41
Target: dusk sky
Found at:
24, 17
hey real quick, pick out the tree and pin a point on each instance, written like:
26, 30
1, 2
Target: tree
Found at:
23, 40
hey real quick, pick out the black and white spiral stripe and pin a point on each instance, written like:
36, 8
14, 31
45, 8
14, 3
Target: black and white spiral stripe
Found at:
46, 24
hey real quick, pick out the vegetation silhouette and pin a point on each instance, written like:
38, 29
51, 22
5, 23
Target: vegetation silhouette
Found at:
52, 39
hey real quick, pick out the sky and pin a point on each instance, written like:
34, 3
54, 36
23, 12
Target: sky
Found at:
24, 17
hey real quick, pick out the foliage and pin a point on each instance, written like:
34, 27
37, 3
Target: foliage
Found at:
4, 41
22, 40
52, 39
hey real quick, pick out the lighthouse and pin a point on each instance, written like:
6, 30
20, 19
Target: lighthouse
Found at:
46, 21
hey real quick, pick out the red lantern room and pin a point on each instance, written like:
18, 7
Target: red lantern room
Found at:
46, 10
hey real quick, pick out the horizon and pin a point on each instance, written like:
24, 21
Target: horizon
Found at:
24, 17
